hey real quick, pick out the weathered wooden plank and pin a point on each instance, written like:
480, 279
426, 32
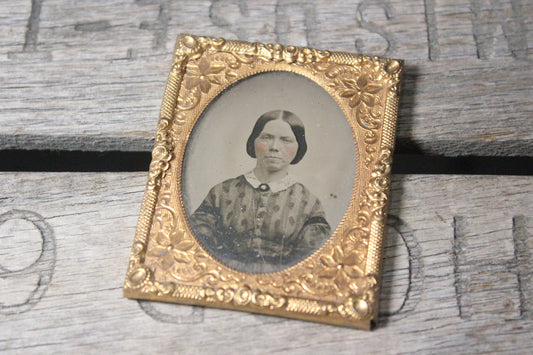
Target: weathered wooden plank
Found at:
457, 274
90, 76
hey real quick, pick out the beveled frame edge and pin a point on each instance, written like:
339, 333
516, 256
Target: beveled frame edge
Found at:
361, 312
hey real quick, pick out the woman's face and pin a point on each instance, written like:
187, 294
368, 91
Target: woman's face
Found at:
276, 146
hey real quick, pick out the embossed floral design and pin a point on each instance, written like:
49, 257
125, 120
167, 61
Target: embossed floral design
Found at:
203, 75
360, 90
171, 248
342, 267
289, 54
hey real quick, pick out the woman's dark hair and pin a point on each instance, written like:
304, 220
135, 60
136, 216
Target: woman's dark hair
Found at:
294, 122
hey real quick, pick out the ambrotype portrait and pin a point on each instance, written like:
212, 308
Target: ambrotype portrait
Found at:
266, 217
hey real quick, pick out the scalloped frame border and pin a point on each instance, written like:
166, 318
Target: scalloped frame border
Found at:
339, 283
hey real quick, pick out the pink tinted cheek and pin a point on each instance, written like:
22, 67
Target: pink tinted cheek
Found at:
260, 148
290, 151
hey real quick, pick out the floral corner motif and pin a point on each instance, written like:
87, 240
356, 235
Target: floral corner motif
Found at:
203, 75
342, 268
359, 91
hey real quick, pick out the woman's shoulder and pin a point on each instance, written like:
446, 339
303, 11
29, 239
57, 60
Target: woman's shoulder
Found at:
229, 184
300, 189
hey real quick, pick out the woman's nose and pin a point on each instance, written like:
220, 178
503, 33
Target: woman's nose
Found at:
275, 145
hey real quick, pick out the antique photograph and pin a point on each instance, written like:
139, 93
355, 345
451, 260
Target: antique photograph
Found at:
263, 187
269, 181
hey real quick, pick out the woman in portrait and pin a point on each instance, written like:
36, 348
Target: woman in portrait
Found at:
264, 220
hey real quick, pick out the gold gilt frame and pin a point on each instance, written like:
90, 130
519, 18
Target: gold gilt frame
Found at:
337, 284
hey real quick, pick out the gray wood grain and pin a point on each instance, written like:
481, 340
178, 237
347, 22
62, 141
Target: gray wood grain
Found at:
90, 76
457, 278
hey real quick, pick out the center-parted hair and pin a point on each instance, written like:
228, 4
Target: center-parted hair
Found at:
294, 122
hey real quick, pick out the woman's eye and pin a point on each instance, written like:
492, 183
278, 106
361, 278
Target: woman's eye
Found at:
286, 140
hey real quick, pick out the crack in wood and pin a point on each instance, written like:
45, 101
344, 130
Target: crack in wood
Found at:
524, 262
462, 282
431, 28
